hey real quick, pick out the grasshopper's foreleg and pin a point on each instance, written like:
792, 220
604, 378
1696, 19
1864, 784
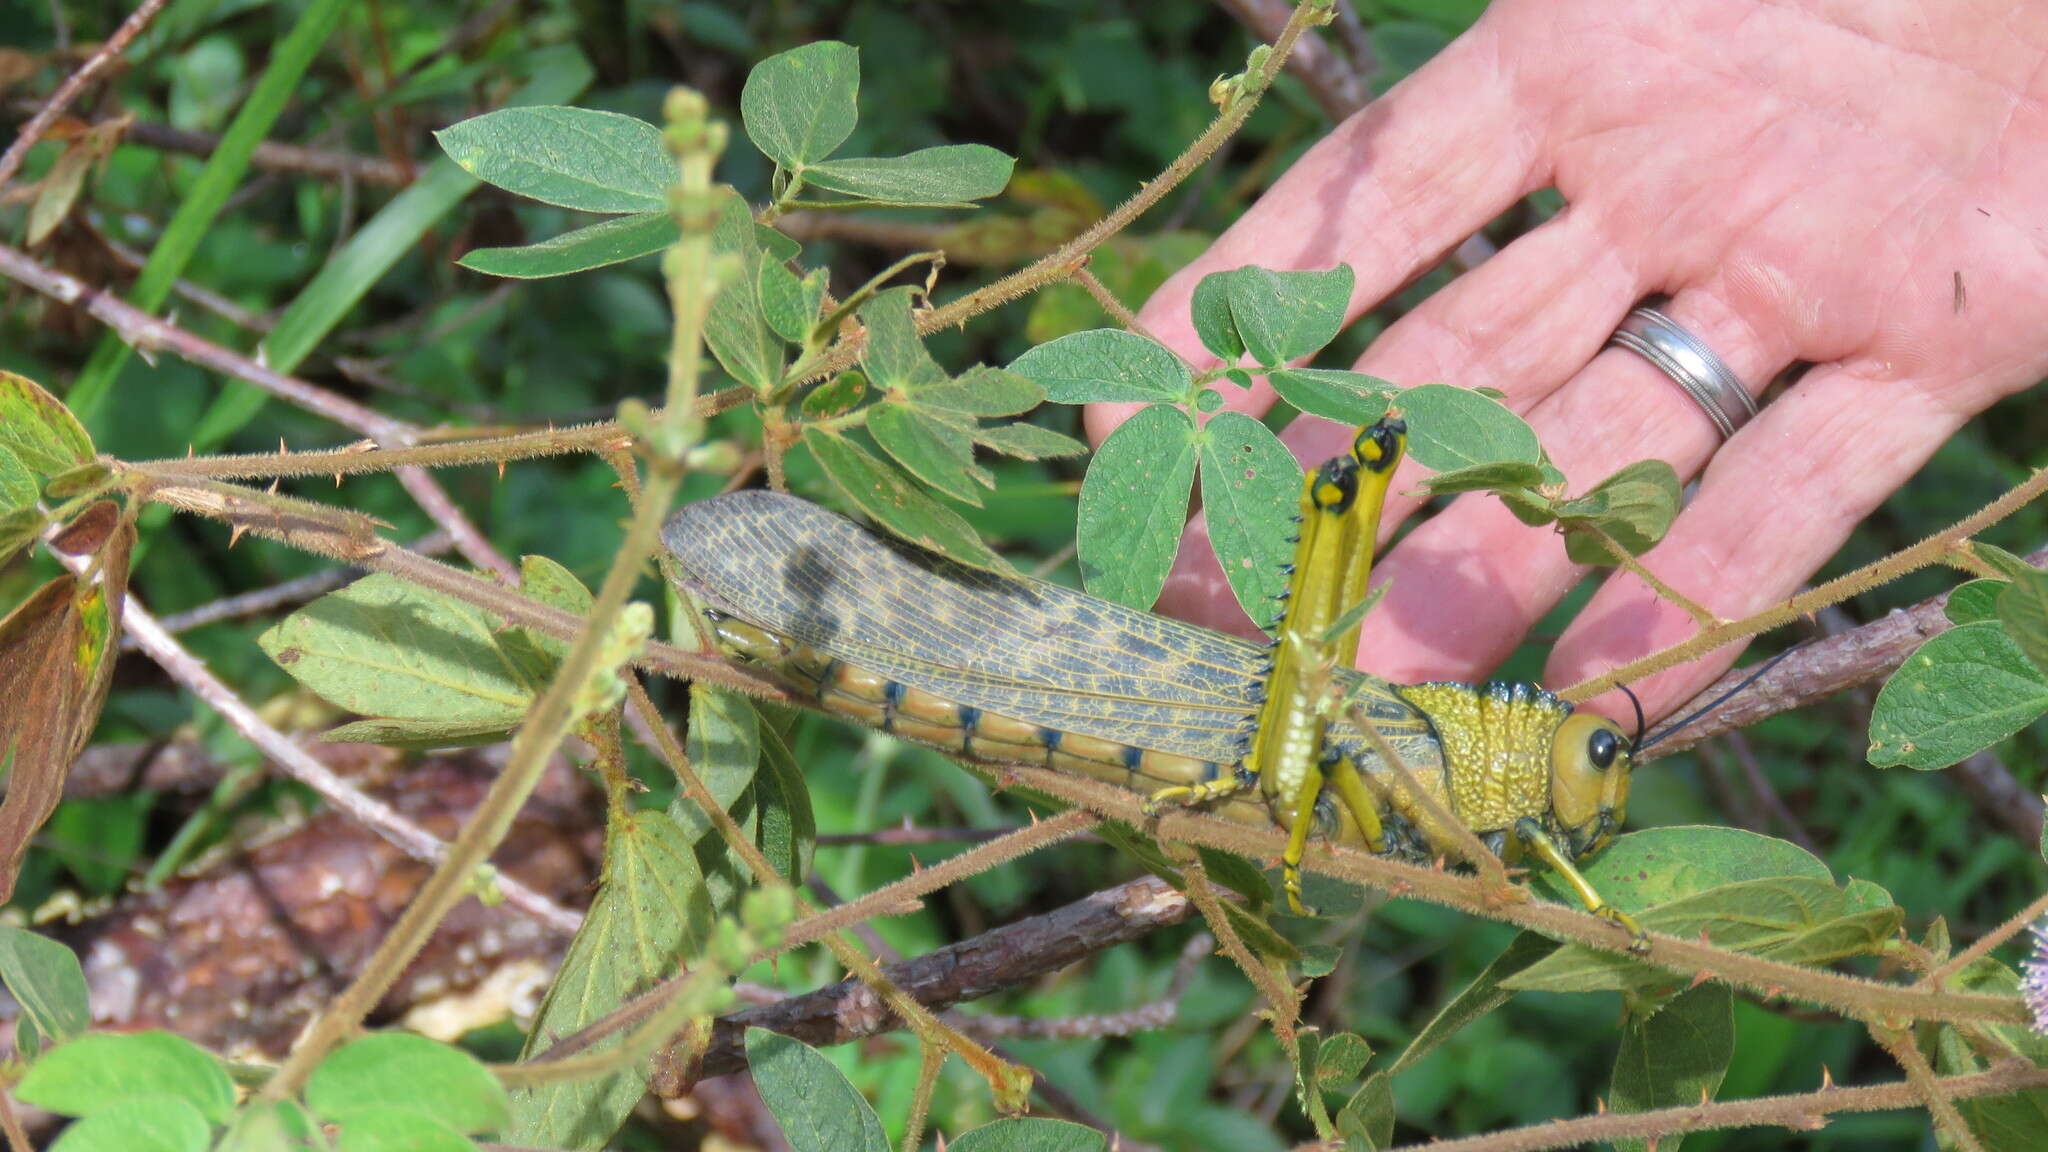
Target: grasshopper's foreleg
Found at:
1546, 849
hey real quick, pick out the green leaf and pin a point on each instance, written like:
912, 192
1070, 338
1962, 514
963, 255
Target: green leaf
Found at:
272, 1126
1677, 1057
938, 453
1451, 428
835, 397
724, 744
1105, 364
381, 1129
1367, 1120
420, 735
18, 488
1028, 441
2023, 609
945, 176
1485, 478
650, 916
736, 328
894, 502
790, 305
1792, 919
17, 529
1974, 602
776, 245
1210, 311
1251, 485
1346, 397
817, 1107
1029, 1134
200, 201
1642, 870
985, 391
787, 828
555, 586
387, 648
1484, 994
2010, 566
1284, 316
1634, 507
1134, 503
1961, 692
894, 355
44, 978
402, 1071
37, 428
1340, 1058
1745, 892
145, 1124
597, 245
569, 157
801, 104
101, 1070
389, 236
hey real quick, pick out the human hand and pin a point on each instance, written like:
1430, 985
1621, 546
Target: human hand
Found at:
1864, 187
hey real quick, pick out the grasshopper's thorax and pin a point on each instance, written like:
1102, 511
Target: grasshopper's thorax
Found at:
1497, 742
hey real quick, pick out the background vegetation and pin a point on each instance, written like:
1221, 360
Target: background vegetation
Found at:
336, 252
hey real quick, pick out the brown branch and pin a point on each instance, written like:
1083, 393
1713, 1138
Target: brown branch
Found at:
1803, 1112
997, 959
289, 158
293, 760
31, 132
1815, 672
147, 333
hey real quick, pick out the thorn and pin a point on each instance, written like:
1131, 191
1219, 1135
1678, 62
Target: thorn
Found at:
1827, 1079
235, 534
501, 471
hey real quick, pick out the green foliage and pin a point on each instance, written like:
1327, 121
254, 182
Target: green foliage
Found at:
1962, 691
382, 1078
107, 1071
849, 385
46, 982
816, 1107
652, 912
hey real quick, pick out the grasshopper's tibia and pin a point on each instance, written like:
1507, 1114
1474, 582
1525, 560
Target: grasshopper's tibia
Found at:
1352, 793
1536, 840
1297, 843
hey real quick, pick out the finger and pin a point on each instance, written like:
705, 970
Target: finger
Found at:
1772, 507
1523, 322
1464, 587
1388, 191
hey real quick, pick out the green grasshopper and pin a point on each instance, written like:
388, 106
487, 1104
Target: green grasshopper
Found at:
999, 670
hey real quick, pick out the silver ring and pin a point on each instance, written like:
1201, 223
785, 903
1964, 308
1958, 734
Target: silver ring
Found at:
1691, 365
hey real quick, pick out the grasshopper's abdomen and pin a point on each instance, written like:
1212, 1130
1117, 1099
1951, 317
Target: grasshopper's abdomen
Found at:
876, 701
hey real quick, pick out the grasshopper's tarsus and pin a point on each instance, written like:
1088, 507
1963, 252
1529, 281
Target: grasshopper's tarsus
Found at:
1196, 795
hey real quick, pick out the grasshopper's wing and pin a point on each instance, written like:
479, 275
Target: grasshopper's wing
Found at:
1008, 646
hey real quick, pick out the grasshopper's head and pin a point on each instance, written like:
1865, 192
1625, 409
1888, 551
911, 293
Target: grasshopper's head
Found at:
1589, 766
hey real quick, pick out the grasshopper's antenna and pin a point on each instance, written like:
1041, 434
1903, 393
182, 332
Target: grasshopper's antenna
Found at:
1723, 698
1635, 745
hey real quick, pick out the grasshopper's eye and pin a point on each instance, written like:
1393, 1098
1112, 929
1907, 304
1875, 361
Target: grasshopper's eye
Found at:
1602, 747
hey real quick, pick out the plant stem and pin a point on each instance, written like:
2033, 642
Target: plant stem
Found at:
1932, 550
